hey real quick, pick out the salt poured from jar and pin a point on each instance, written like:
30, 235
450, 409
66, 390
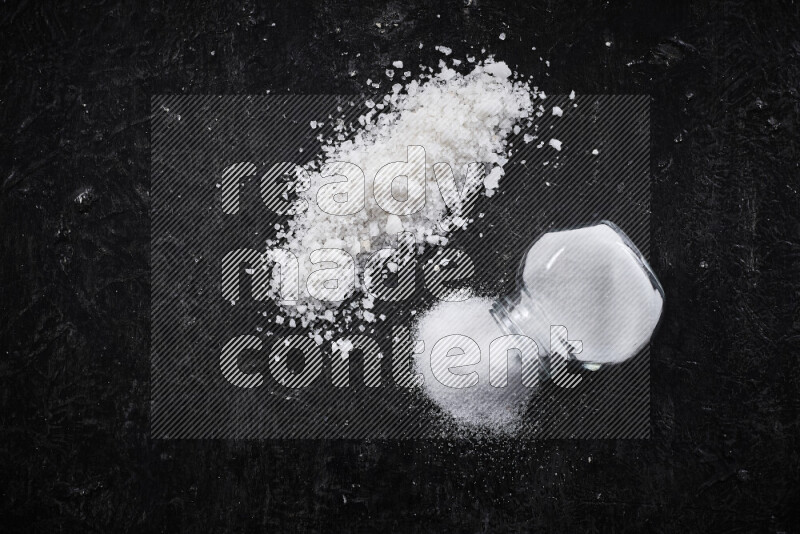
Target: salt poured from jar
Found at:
591, 281
480, 405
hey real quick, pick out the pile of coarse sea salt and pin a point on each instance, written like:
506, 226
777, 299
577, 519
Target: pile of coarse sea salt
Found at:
458, 119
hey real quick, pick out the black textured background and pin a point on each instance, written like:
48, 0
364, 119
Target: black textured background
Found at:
75, 453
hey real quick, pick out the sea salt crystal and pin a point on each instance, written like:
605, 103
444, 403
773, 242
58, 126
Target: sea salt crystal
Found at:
555, 143
393, 224
500, 70
397, 64
444, 50
557, 111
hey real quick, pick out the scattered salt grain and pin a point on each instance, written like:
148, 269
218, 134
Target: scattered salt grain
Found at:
555, 143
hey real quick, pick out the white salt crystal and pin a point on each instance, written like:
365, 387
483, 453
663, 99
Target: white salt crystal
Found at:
444, 50
502, 36
393, 224
397, 64
555, 143
500, 70
492, 180
345, 346
595, 152
557, 111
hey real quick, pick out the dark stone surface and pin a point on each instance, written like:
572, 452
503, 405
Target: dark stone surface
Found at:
75, 453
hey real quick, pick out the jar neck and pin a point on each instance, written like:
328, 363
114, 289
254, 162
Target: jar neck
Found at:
523, 316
